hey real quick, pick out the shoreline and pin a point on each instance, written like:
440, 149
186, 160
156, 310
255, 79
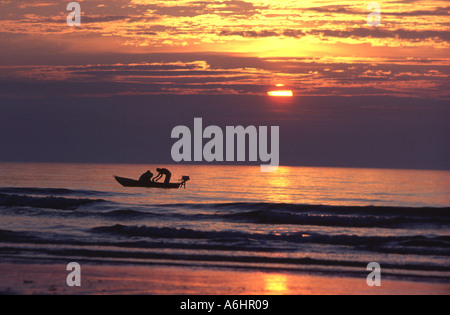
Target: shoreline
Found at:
43, 279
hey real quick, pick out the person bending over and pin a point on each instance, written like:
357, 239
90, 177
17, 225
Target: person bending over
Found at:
163, 171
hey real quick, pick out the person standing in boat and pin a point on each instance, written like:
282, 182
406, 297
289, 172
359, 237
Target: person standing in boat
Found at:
146, 178
163, 171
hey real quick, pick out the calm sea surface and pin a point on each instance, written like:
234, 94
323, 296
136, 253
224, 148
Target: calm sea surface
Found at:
317, 220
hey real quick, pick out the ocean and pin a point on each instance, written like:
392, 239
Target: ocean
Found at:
298, 219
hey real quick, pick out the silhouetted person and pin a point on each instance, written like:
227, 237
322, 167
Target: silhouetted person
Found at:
146, 178
163, 171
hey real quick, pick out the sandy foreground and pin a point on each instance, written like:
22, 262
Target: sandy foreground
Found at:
98, 279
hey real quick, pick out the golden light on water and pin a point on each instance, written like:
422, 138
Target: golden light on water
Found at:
276, 284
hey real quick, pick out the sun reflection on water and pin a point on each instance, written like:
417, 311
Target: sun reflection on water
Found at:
276, 284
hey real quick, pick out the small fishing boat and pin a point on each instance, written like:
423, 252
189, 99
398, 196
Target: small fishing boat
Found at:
127, 182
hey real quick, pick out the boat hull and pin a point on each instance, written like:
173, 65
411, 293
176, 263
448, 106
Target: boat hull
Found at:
127, 182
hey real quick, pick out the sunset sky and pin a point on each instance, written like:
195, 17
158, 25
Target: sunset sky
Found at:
363, 96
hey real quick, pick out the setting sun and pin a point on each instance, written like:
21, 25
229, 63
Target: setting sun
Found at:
284, 93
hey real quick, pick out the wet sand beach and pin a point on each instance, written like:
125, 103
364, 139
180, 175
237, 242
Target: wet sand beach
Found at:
156, 280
